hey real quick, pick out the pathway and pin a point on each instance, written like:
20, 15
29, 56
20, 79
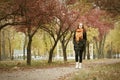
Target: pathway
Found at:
50, 73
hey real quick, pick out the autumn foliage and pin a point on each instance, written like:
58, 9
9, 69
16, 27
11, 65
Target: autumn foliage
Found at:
53, 16
97, 18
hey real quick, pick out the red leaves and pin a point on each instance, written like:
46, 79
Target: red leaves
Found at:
97, 18
45, 11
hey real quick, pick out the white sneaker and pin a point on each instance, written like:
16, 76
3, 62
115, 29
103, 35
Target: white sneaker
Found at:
80, 65
77, 65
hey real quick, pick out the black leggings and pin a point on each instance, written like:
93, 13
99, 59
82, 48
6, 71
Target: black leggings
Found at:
78, 55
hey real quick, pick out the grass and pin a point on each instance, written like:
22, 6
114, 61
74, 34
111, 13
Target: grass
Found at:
104, 72
34, 64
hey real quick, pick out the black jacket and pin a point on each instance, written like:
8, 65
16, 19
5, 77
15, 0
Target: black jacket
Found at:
81, 43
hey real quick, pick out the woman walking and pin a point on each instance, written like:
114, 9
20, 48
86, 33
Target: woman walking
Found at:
79, 41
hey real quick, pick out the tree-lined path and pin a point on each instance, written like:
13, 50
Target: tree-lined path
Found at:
38, 30
56, 73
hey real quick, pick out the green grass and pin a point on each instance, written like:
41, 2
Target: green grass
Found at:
104, 72
34, 64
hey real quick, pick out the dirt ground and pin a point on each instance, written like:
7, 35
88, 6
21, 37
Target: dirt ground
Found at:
56, 73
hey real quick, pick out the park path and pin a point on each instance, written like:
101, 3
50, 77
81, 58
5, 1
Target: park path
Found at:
55, 73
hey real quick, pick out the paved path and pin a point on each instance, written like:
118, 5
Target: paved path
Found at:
49, 73
38, 74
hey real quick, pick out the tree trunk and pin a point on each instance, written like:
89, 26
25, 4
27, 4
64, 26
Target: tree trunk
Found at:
12, 57
30, 36
10, 51
102, 47
29, 50
24, 46
3, 45
50, 55
64, 42
100, 50
111, 49
64, 52
64, 48
84, 52
51, 52
98, 46
88, 54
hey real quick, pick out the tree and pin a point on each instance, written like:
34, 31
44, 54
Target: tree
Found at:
80, 7
91, 34
38, 15
84, 6
113, 43
10, 36
31, 28
93, 16
64, 19
64, 42
24, 45
41, 43
9, 13
112, 6
96, 18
